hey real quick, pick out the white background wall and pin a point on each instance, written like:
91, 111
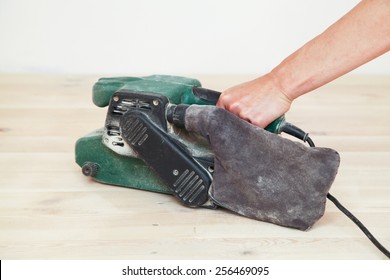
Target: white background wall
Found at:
162, 36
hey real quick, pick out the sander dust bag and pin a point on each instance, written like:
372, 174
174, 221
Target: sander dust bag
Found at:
262, 175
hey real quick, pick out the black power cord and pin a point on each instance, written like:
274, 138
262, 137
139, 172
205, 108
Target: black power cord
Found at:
300, 134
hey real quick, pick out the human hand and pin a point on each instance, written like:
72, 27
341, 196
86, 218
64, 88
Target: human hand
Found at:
259, 101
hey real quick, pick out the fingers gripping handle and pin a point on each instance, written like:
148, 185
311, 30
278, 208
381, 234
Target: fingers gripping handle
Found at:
176, 115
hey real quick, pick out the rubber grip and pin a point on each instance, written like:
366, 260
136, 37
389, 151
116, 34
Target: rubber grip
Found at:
184, 176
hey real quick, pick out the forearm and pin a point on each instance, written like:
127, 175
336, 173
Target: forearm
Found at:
358, 37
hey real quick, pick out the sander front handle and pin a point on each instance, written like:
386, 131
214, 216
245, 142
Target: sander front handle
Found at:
207, 95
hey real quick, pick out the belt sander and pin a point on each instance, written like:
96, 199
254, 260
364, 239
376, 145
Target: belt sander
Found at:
165, 134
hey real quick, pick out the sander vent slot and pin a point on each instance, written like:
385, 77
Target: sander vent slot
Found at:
119, 110
113, 131
127, 104
136, 103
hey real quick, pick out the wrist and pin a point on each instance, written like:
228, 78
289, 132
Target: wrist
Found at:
293, 77
278, 84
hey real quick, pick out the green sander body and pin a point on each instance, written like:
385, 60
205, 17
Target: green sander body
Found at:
164, 134
107, 158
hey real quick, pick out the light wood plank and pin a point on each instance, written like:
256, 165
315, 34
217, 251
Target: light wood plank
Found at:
49, 210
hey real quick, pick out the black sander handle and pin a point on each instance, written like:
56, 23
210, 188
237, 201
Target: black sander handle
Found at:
207, 95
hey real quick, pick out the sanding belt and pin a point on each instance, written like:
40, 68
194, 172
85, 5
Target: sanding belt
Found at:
262, 175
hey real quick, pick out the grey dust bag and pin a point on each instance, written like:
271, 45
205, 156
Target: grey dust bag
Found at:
262, 175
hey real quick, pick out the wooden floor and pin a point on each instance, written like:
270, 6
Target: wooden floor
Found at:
49, 210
